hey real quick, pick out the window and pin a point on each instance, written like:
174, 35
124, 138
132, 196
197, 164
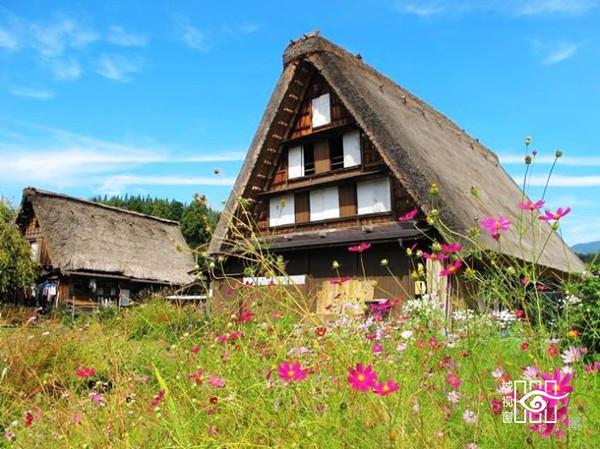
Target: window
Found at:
295, 162
35, 251
374, 196
351, 149
281, 210
336, 146
324, 204
321, 111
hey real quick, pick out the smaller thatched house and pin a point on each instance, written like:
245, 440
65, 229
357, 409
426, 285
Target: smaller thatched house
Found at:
92, 254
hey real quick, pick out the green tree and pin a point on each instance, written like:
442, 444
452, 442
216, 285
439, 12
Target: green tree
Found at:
198, 222
16, 267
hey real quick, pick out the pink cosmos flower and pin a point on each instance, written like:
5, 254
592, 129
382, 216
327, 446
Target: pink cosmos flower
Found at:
28, 417
469, 417
451, 268
377, 348
85, 372
530, 205
571, 355
76, 418
454, 397
558, 386
196, 376
97, 398
555, 216
215, 381
495, 225
195, 349
409, 215
10, 435
362, 379
385, 388
453, 380
592, 369
245, 316
498, 373
496, 405
435, 256
360, 247
157, 399
291, 372
531, 372
340, 281
452, 247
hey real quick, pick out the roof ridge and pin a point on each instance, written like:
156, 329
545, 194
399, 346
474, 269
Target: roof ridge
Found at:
35, 191
313, 42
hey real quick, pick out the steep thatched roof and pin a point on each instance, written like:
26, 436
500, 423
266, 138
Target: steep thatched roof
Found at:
82, 236
420, 145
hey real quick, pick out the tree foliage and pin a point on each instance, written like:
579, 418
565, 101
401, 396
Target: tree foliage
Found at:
197, 220
16, 267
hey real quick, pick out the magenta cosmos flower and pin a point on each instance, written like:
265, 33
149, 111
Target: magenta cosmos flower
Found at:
555, 216
495, 225
291, 372
362, 378
385, 388
451, 268
452, 247
558, 386
435, 256
85, 372
530, 205
360, 247
409, 215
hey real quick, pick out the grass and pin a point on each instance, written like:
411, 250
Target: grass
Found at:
157, 346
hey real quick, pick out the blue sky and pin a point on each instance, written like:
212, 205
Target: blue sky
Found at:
151, 97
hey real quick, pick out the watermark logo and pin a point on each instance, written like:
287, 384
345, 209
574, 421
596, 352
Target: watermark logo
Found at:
532, 401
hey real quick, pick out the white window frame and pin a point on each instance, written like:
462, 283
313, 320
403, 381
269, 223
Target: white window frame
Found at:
35, 251
295, 162
321, 111
351, 147
374, 196
282, 210
324, 203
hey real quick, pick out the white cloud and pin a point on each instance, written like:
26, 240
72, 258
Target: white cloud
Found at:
574, 161
565, 181
35, 93
193, 37
582, 230
118, 36
241, 30
120, 183
515, 8
8, 40
53, 39
66, 69
118, 67
554, 52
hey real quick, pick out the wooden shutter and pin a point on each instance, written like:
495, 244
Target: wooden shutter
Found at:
374, 196
322, 158
351, 149
302, 207
324, 204
281, 210
295, 162
321, 111
347, 200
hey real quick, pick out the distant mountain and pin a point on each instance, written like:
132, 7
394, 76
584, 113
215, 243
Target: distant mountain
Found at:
587, 248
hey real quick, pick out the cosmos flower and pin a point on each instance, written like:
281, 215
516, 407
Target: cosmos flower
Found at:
157, 399
469, 417
453, 380
215, 381
85, 372
452, 247
97, 398
498, 373
385, 388
340, 281
291, 372
530, 205
360, 247
245, 316
196, 376
434, 256
531, 372
558, 385
454, 397
555, 216
496, 405
495, 225
571, 355
377, 348
362, 378
451, 268
409, 215
320, 331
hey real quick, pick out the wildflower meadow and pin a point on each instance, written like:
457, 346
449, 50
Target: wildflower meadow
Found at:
269, 373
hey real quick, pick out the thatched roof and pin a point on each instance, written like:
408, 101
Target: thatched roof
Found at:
82, 236
420, 145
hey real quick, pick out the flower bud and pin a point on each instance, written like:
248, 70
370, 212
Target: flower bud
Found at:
475, 191
558, 153
409, 252
384, 262
434, 189
528, 140
436, 247
511, 271
335, 265
528, 160
435, 213
555, 225
419, 253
